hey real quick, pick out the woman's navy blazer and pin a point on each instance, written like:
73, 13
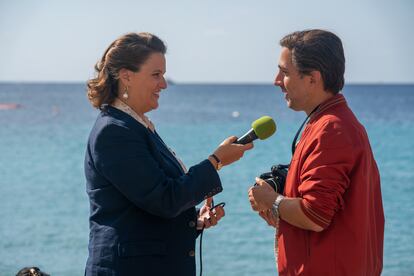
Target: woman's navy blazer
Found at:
142, 214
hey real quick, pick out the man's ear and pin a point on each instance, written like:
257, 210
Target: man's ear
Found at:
315, 77
124, 76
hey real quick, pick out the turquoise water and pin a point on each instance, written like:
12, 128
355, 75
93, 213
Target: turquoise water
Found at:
44, 207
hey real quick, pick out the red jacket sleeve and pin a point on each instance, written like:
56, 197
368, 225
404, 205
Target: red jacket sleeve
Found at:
325, 172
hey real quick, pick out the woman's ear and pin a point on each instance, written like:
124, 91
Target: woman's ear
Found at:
124, 76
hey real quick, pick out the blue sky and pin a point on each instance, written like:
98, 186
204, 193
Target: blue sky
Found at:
209, 41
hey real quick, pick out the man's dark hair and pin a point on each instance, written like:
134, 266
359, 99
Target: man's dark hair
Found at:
318, 50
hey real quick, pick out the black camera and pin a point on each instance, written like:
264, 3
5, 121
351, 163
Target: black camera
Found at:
276, 177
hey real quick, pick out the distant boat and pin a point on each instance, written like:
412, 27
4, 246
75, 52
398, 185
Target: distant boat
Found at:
9, 106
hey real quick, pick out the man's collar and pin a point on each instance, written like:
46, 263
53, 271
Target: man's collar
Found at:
332, 101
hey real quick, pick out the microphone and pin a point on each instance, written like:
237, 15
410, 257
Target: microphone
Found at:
262, 128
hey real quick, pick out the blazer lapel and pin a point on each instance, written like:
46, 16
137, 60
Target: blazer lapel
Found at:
165, 151
162, 147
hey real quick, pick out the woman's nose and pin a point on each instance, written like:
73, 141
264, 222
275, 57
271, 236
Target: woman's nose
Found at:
163, 83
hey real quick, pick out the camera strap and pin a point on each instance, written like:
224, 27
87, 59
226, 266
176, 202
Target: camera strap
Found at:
294, 143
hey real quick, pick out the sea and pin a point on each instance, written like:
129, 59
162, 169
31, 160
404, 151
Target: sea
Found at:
44, 206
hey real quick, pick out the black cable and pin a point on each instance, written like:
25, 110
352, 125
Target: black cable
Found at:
201, 259
222, 204
298, 132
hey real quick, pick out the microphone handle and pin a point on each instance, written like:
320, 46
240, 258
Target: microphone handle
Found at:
247, 138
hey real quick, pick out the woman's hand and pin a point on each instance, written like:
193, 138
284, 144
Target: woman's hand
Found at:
207, 217
228, 152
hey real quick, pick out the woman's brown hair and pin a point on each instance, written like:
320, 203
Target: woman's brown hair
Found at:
129, 51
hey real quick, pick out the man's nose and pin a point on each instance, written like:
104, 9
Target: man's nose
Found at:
278, 80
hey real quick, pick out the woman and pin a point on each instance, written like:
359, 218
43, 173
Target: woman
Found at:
143, 219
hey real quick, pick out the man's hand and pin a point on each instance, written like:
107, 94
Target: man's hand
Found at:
207, 217
268, 216
261, 196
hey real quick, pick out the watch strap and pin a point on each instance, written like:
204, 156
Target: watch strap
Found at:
276, 204
219, 165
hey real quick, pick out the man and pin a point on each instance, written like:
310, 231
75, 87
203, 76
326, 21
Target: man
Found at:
330, 219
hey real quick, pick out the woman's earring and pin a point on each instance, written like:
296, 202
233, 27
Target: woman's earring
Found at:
125, 94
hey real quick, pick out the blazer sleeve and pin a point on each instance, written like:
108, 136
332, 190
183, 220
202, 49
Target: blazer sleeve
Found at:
124, 158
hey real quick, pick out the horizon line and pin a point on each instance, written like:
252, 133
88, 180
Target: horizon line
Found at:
202, 83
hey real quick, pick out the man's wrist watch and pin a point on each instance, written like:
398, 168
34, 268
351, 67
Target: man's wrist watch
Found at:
276, 204
219, 164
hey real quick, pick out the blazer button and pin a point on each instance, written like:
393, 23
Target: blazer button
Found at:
191, 253
191, 224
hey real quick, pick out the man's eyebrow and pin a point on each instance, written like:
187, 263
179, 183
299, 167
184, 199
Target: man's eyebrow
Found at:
282, 68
